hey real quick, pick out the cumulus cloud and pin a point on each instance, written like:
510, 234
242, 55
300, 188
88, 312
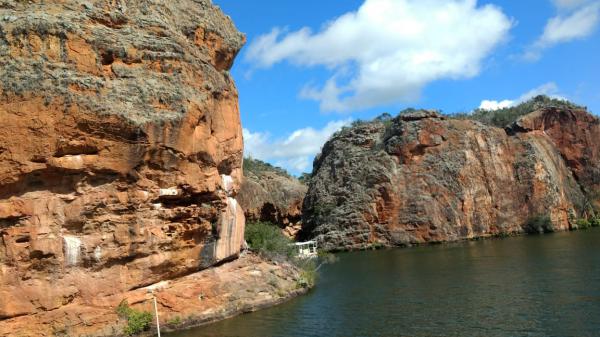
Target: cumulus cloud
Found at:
294, 152
388, 50
579, 22
549, 89
495, 105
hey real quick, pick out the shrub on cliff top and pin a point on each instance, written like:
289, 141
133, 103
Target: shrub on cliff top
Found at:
506, 116
258, 166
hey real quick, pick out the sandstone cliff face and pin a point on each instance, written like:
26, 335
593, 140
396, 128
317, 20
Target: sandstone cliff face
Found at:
269, 194
422, 177
120, 154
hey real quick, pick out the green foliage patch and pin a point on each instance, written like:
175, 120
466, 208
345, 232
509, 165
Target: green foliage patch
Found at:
137, 321
267, 239
257, 166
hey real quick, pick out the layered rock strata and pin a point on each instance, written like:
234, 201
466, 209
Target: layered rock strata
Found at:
422, 177
120, 154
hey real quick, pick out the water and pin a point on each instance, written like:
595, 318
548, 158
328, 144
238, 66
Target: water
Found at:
547, 285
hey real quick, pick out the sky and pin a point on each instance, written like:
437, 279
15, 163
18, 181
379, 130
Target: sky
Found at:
310, 67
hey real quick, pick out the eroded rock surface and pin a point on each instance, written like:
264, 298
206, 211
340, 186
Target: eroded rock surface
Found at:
246, 284
422, 177
269, 194
120, 154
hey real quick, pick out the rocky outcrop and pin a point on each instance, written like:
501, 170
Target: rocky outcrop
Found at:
269, 194
244, 285
575, 133
423, 177
120, 155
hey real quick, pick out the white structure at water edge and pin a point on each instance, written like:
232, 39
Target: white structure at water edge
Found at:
306, 250
72, 246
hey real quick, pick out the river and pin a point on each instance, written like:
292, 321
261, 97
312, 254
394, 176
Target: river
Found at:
544, 285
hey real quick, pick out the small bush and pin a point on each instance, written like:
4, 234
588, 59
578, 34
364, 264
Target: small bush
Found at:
137, 321
595, 221
266, 239
175, 321
583, 223
308, 273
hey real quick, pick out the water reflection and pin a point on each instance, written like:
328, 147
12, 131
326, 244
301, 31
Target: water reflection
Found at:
546, 285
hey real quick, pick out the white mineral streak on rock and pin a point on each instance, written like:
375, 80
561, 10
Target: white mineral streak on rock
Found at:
168, 192
231, 232
72, 246
227, 183
97, 253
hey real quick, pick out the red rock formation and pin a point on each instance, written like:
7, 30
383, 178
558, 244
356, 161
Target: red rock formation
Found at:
422, 177
576, 134
120, 155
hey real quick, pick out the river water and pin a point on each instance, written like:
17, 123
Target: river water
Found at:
546, 285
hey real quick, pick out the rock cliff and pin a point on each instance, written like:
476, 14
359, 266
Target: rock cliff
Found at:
120, 155
423, 177
270, 194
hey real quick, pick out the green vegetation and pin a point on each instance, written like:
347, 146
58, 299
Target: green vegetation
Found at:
308, 273
583, 223
137, 321
506, 116
267, 240
257, 166
587, 222
174, 321
305, 178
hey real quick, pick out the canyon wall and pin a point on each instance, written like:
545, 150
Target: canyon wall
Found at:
422, 177
270, 194
120, 155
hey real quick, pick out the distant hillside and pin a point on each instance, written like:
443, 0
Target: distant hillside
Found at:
506, 116
258, 166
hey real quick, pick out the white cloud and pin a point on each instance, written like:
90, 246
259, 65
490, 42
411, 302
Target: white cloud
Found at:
549, 89
579, 24
576, 24
495, 105
294, 152
388, 50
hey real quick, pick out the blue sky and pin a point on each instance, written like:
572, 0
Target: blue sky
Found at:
309, 67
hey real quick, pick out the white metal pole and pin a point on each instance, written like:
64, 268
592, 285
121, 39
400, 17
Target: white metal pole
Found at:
156, 314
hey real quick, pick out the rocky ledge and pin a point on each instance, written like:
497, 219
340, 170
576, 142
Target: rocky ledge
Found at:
423, 177
247, 284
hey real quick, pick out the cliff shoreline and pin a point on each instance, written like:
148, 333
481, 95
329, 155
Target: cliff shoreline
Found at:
433, 178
